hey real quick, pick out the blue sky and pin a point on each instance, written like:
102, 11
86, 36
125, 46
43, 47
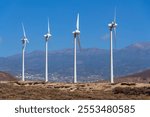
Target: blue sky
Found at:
133, 19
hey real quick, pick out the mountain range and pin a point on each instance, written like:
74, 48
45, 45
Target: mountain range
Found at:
92, 63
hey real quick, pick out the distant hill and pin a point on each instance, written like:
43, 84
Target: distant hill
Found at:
142, 77
142, 45
6, 77
92, 63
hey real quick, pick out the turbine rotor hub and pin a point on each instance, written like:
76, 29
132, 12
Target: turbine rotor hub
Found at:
112, 25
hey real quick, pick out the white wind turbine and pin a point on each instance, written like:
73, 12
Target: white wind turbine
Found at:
112, 27
47, 37
24, 42
76, 34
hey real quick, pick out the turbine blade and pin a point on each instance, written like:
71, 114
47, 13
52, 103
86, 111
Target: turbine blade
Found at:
115, 32
48, 27
115, 40
79, 44
24, 46
77, 25
24, 33
115, 15
27, 41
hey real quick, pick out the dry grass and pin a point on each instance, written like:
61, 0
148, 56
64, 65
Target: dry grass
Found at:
68, 91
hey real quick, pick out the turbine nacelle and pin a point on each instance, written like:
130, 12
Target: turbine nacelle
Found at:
24, 40
77, 32
112, 25
47, 36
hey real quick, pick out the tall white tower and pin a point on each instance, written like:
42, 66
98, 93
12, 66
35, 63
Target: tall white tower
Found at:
24, 42
112, 27
76, 34
47, 37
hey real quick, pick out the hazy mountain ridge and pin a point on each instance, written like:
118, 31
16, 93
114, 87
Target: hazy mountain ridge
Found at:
90, 62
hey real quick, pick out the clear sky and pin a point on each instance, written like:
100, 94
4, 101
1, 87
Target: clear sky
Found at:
133, 19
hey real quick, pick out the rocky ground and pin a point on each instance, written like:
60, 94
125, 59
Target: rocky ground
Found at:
68, 91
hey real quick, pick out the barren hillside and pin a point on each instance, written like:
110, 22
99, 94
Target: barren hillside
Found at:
141, 77
6, 77
68, 91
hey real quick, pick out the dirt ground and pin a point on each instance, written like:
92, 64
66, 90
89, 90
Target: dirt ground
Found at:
16, 90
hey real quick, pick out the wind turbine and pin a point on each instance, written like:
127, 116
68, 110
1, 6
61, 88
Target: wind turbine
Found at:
76, 34
24, 42
112, 27
47, 37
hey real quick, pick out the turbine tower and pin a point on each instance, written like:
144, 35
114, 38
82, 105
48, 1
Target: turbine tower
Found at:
47, 37
76, 34
112, 27
24, 42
